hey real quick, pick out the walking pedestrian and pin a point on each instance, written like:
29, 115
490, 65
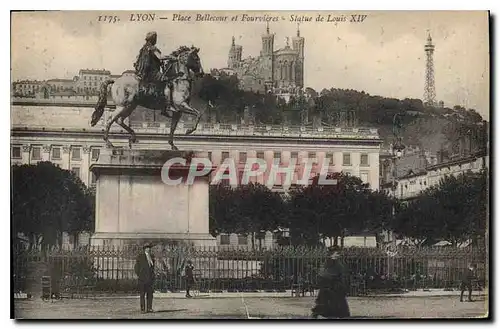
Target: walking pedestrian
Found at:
466, 282
331, 301
189, 272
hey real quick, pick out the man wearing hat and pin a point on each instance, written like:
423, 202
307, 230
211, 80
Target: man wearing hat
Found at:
144, 269
148, 63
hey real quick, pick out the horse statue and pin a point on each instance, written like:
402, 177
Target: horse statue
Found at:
127, 94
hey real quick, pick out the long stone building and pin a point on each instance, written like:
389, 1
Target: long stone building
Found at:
44, 130
417, 180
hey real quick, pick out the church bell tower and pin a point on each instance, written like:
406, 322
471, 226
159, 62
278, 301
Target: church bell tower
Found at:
234, 57
298, 46
267, 55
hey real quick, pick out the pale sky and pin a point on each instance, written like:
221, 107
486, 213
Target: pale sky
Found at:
383, 55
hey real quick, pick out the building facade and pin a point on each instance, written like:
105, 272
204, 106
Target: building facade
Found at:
273, 70
60, 133
412, 184
89, 80
86, 82
26, 88
418, 169
60, 85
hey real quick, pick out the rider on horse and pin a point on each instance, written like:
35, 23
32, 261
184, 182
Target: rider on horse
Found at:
148, 66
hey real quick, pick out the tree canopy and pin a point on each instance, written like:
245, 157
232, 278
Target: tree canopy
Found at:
247, 209
332, 211
47, 201
309, 212
455, 210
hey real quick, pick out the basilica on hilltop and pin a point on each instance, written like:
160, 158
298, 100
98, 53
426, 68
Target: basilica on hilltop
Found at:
273, 71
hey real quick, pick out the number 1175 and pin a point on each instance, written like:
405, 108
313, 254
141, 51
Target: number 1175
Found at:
108, 19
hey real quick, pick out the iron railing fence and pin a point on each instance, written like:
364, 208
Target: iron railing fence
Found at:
111, 269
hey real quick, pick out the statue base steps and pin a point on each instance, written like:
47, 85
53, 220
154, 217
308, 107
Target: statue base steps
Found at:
163, 239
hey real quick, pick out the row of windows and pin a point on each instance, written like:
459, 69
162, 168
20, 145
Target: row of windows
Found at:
31, 87
76, 155
90, 78
457, 168
36, 153
346, 157
414, 182
433, 179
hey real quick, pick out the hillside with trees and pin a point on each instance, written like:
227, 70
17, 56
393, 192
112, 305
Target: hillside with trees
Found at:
429, 127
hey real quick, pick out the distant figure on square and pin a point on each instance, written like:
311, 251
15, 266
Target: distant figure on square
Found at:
331, 302
144, 268
189, 269
466, 282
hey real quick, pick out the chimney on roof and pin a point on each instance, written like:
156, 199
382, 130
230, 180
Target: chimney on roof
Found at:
423, 161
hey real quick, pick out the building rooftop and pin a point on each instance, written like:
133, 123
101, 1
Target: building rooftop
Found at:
94, 71
416, 172
28, 81
60, 80
67, 93
50, 116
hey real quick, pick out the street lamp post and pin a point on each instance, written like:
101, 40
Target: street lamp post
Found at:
397, 152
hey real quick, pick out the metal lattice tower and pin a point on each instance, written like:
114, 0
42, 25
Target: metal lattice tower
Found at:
430, 88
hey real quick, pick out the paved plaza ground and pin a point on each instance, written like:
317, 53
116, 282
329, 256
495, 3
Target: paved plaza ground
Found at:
244, 307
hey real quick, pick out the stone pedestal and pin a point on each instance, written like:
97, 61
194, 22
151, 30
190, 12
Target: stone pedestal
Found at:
134, 205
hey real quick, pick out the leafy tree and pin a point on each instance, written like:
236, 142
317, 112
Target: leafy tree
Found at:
259, 209
334, 210
412, 221
455, 210
250, 208
47, 201
221, 209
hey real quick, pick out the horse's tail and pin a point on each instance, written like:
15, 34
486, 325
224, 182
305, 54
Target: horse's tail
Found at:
102, 102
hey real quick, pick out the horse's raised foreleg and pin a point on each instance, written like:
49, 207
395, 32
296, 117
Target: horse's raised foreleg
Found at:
176, 116
188, 109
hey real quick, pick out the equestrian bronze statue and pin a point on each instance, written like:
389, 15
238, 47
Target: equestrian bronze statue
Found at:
161, 83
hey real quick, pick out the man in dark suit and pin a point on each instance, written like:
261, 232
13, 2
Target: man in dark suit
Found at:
144, 268
466, 283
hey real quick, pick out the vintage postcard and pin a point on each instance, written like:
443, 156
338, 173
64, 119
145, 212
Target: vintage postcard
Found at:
250, 164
